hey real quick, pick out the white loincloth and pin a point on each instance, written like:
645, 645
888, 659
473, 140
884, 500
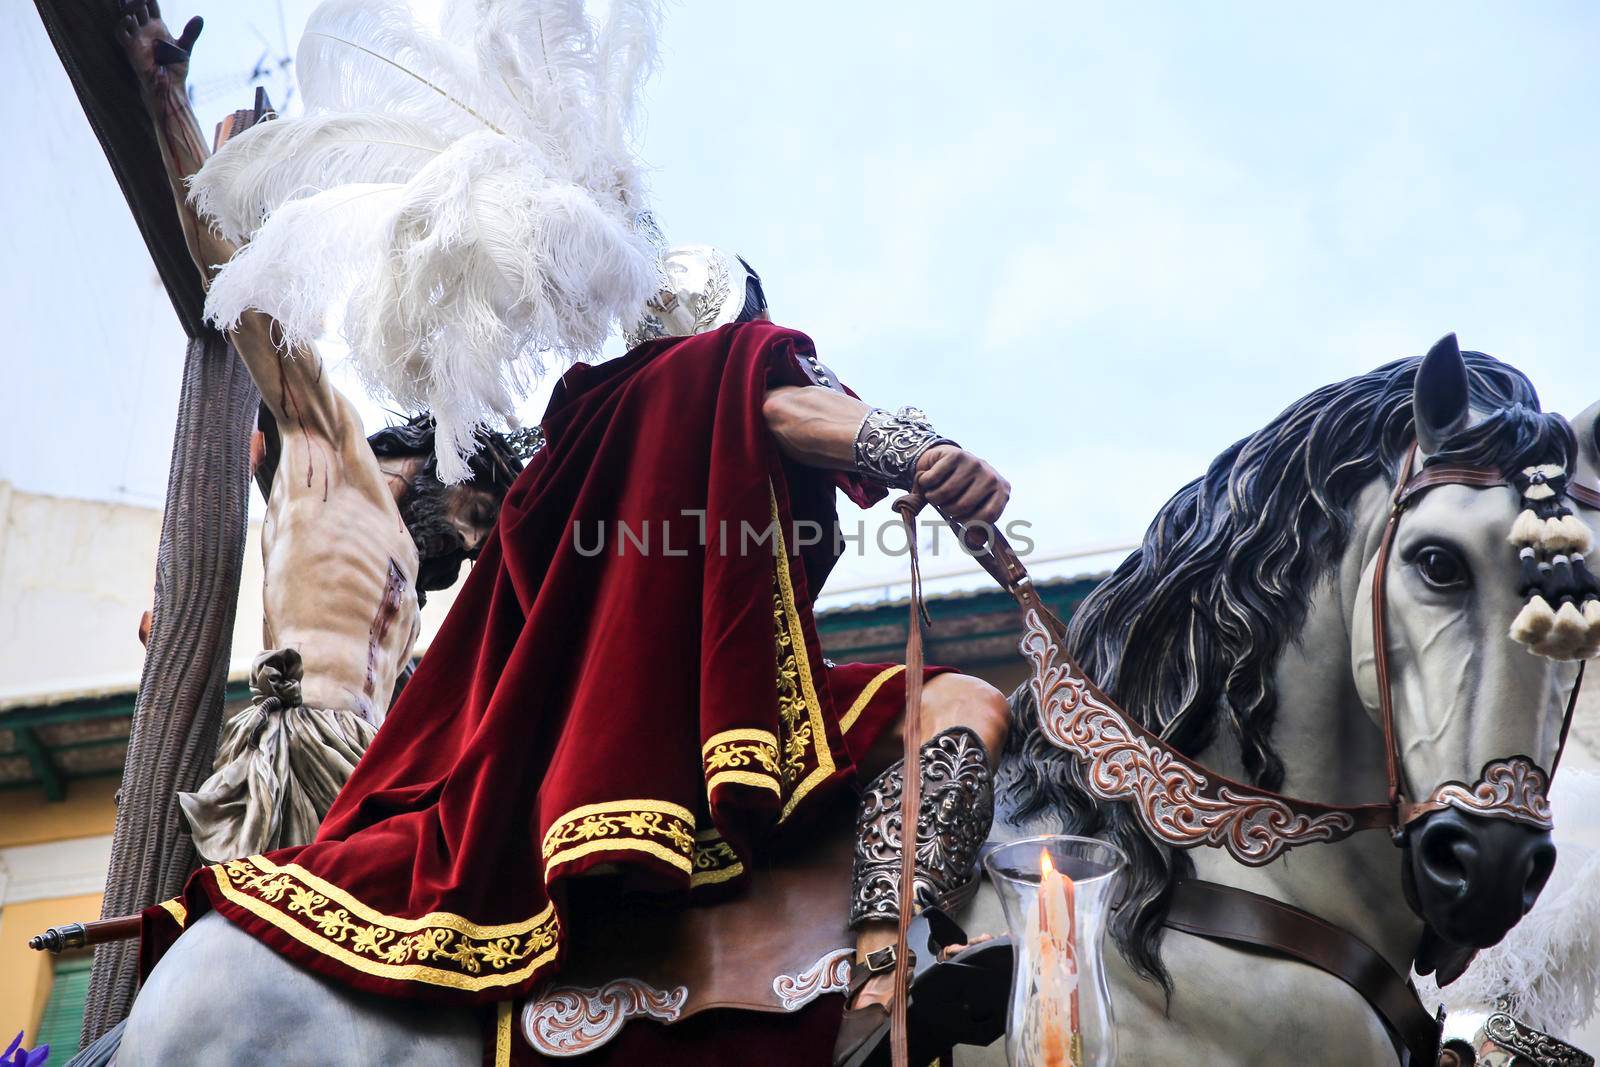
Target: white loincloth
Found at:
278, 767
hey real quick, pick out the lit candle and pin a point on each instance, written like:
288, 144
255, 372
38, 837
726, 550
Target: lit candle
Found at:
1054, 934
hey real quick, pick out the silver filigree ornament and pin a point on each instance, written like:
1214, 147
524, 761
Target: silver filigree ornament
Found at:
1533, 1045
1120, 764
954, 819
1514, 789
830, 974
889, 444
568, 1021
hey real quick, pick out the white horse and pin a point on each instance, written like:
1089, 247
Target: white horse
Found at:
1241, 631
1249, 610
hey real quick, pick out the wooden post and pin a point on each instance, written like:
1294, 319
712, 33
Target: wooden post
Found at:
179, 709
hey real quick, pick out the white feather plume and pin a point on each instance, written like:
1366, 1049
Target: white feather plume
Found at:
1550, 961
469, 198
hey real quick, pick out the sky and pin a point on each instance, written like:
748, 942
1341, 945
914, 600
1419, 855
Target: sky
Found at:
1095, 242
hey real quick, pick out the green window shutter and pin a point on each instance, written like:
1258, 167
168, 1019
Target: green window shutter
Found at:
63, 1012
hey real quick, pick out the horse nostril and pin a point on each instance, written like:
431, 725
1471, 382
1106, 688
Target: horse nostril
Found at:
1447, 854
1541, 862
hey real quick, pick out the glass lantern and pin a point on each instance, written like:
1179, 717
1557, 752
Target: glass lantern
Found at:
1058, 893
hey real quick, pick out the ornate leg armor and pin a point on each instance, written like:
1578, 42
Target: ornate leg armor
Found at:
957, 811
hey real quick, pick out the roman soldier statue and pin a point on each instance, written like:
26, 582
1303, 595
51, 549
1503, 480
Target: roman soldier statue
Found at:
628, 700
357, 530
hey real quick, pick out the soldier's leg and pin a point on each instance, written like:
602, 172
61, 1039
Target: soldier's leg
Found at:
964, 725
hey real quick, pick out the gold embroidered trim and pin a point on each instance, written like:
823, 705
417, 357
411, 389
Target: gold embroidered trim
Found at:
502, 1034
714, 860
439, 948
654, 827
732, 757
177, 909
865, 697
803, 733
743, 733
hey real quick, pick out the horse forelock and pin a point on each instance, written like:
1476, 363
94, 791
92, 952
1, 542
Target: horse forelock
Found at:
1187, 631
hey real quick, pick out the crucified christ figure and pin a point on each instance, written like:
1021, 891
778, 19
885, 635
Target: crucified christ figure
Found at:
357, 530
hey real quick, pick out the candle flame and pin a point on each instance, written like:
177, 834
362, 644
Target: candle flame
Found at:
1046, 868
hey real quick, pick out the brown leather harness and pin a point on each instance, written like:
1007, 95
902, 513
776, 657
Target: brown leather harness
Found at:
1184, 804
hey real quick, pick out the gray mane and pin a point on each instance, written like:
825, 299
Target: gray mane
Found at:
1186, 633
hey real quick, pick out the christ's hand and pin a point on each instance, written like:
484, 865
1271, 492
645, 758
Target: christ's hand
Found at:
157, 59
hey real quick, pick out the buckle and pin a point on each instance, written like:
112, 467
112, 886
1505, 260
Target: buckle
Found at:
881, 960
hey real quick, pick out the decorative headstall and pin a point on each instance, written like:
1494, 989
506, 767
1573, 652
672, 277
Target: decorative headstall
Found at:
1183, 804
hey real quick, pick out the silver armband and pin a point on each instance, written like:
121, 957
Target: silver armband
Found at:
890, 443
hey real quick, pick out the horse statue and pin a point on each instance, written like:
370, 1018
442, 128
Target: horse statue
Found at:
1242, 633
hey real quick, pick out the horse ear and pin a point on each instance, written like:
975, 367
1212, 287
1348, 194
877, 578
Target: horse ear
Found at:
1440, 398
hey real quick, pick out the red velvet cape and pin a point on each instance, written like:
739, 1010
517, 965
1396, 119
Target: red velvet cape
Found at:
634, 697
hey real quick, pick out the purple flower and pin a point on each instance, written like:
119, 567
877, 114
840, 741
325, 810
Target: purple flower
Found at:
17, 1056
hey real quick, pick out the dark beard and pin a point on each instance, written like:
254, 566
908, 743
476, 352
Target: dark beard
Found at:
441, 550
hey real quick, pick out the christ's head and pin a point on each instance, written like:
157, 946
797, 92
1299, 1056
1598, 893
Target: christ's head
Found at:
448, 522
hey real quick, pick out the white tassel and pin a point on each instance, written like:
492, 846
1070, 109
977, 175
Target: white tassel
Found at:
1528, 530
1568, 636
1576, 537
1534, 622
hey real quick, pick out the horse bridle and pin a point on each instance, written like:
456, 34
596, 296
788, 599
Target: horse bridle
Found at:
1184, 804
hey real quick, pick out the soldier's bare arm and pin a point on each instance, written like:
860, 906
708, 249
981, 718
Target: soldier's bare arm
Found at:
818, 427
291, 380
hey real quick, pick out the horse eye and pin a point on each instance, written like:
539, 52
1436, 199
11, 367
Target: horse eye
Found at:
1442, 568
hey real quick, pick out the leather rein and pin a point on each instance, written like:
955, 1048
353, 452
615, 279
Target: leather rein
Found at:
1184, 804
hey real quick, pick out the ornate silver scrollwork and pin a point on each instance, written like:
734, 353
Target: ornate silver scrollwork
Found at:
1119, 764
889, 443
830, 974
956, 813
1512, 789
1534, 1045
568, 1021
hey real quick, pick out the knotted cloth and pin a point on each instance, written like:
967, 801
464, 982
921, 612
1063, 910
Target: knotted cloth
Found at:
278, 767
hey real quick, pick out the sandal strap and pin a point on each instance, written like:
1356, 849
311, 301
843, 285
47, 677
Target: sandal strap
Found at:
878, 961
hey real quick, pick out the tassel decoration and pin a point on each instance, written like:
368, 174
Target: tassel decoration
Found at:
1534, 622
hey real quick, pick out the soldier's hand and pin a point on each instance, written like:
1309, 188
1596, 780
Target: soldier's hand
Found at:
961, 485
151, 50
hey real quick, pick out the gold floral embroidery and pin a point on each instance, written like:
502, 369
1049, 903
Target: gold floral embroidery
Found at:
654, 827
714, 860
745, 756
439, 948
806, 759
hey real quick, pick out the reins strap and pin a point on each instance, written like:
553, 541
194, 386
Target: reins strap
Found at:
1236, 917
1566, 719
911, 792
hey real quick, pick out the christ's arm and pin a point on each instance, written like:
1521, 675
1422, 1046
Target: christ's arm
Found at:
291, 379
817, 427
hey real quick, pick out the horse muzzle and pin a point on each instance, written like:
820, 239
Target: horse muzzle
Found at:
1473, 877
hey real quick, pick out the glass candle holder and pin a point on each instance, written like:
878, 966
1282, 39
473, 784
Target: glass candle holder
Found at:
1058, 893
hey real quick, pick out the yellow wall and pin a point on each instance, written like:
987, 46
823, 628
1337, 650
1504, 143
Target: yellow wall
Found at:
26, 818
25, 975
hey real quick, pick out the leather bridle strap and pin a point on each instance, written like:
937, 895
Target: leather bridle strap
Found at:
910, 793
1588, 496
1240, 918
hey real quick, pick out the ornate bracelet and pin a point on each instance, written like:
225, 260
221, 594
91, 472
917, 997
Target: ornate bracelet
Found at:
890, 443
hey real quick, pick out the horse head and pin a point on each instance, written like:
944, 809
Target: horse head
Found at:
1477, 713
1242, 633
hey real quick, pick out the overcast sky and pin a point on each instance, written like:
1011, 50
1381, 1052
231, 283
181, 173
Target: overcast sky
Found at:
1096, 243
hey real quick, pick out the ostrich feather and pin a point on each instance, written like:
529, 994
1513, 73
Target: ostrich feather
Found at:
1550, 961
275, 162
469, 198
